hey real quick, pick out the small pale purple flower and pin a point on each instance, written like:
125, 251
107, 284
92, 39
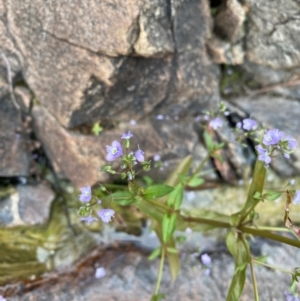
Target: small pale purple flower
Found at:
132, 122
263, 155
296, 199
290, 296
126, 135
106, 215
100, 273
88, 220
272, 137
216, 123
206, 259
239, 125
139, 155
291, 142
249, 124
114, 151
156, 157
2, 298
160, 117
86, 194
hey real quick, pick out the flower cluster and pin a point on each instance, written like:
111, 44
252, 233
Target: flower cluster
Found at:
86, 210
129, 159
248, 124
274, 140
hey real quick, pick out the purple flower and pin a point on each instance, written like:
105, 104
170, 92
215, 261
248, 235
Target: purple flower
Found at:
132, 122
156, 157
86, 194
272, 137
100, 273
290, 296
291, 142
263, 155
216, 123
2, 298
160, 117
206, 260
114, 151
88, 220
126, 136
296, 199
106, 215
139, 155
249, 124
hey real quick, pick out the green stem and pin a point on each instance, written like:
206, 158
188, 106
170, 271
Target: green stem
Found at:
199, 167
159, 204
252, 268
160, 272
270, 235
254, 281
276, 229
273, 267
248, 230
206, 221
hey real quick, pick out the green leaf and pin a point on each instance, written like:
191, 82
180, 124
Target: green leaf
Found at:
181, 169
147, 180
157, 297
208, 141
154, 254
122, 198
237, 285
195, 182
168, 226
157, 191
97, 129
218, 157
176, 196
262, 259
172, 250
271, 195
257, 185
257, 195
239, 249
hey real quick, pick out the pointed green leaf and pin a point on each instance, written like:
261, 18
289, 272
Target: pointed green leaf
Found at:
157, 297
154, 254
237, 285
208, 141
176, 196
195, 181
122, 198
168, 226
157, 191
172, 250
239, 249
181, 169
271, 195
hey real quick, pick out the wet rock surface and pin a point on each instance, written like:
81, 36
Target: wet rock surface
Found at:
131, 276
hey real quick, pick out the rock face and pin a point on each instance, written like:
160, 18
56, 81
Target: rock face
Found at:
84, 67
28, 205
14, 150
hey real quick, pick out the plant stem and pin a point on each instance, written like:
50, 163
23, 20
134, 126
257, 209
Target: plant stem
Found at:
277, 229
206, 221
201, 165
254, 281
270, 235
160, 272
272, 267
